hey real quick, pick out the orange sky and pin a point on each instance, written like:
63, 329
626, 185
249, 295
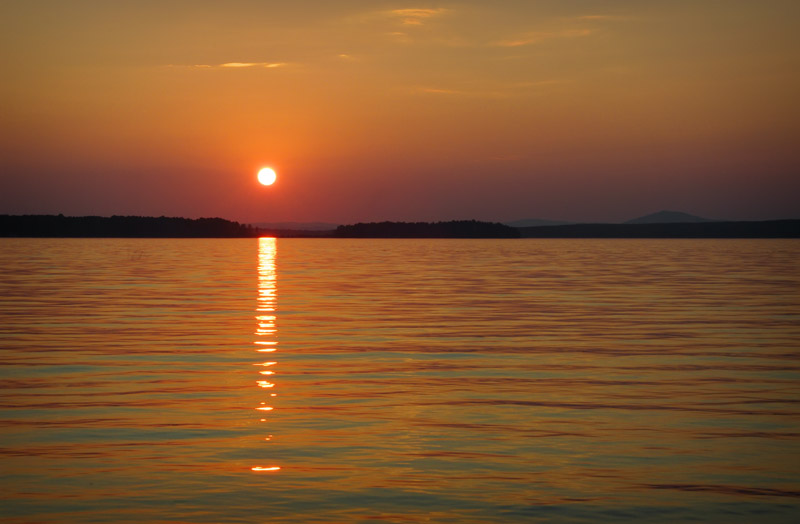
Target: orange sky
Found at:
373, 110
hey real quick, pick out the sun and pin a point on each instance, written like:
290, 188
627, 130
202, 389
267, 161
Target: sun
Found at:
267, 176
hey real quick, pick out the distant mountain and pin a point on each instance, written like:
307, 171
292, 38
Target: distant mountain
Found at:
297, 226
667, 217
536, 222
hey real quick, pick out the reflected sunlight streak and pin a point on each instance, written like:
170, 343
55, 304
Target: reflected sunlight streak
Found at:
265, 324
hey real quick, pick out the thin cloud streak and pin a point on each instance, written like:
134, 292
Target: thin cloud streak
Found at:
268, 65
604, 17
235, 65
406, 17
507, 90
537, 37
416, 16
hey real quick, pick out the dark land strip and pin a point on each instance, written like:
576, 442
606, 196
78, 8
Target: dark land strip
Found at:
54, 226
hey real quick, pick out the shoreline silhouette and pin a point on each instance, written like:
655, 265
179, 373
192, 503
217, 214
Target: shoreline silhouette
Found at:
60, 226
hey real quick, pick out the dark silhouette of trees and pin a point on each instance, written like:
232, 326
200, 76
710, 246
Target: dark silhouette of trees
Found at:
175, 227
121, 226
452, 229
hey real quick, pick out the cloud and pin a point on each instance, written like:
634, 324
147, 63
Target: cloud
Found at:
492, 89
603, 17
348, 58
584, 28
416, 16
406, 17
234, 65
540, 36
268, 65
461, 93
439, 91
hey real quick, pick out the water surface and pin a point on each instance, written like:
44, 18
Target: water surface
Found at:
320, 380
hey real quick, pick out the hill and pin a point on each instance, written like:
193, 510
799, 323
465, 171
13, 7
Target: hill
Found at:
667, 217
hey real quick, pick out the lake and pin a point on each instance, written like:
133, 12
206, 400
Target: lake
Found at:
402, 381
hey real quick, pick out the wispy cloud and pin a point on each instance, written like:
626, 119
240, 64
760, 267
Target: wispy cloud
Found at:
403, 17
439, 91
268, 65
603, 17
540, 36
573, 27
235, 65
492, 89
416, 16
460, 93
345, 57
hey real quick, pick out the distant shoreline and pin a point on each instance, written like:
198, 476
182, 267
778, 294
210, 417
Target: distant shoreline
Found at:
59, 226
759, 229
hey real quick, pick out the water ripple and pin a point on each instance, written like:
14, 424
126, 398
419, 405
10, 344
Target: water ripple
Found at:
316, 380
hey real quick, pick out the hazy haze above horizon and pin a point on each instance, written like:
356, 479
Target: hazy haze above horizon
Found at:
378, 110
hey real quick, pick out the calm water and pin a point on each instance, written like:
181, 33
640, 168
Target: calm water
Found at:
400, 381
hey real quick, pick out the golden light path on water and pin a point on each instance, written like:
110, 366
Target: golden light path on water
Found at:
421, 381
265, 324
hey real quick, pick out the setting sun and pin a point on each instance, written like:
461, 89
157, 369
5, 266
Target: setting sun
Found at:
267, 176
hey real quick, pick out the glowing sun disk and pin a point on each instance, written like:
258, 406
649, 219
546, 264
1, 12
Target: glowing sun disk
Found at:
267, 176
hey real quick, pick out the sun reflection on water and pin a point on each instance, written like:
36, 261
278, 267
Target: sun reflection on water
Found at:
266, 331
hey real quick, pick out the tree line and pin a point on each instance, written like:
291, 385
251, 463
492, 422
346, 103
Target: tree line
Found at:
121, 226
451, 229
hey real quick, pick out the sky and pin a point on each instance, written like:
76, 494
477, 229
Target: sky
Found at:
376, 110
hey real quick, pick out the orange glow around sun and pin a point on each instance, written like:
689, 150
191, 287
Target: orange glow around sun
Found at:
267, 176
